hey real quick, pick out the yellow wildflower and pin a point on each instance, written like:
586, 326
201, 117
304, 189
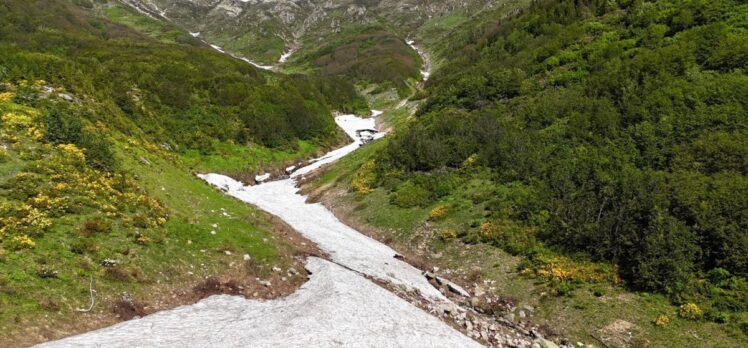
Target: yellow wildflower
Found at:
662, 320
690, 311
21, 242
438, 212
72, 150
6, 97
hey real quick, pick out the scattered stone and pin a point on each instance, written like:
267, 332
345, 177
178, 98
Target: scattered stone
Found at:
522, 314
276, 269
448, 308
457, 289
246, 257
544, 343
227, 252
66, 97
266, 283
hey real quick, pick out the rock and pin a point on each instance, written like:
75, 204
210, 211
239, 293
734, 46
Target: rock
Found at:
528, 308
522, 314
440, 280
509, 317
144, 161
475, 301
428, 275
544, 343
266, 283
276, 269
246, 257
457, 289
448, 307
66, 97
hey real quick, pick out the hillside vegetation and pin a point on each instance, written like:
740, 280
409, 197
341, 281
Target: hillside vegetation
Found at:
368, 54
100, 126
604, 141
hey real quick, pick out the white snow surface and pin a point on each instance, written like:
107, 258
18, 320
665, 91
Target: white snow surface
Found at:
263, 177
425, 73
335, 308
350, 124
284, 57
345, 245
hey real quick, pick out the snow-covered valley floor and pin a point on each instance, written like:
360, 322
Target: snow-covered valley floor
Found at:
337, 307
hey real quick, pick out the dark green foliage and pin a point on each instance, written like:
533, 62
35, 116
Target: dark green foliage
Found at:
621, 127
65, 127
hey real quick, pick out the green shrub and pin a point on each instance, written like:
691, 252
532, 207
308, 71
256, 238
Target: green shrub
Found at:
410, 195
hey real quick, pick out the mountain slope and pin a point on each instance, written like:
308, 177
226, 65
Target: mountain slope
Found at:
100, 129
601, 143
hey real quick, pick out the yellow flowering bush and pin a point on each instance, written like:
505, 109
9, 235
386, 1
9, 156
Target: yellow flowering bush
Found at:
21, 242
690, 311
661, 320
487, 229
142, 239
6, 97
22, 218
73, 151
363, 178
438, 212
560, 268
448, 234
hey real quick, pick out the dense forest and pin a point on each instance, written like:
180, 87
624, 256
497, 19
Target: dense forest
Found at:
611, 131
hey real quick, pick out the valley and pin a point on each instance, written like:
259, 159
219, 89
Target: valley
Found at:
380, 173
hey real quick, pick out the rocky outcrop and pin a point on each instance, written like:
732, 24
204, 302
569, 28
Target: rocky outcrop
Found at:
255, 25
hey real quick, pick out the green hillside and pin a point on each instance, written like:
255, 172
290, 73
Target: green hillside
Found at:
602, 142
100, 128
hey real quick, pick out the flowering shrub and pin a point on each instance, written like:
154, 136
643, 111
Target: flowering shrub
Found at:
564, 269
57, 180
363, 178
690, 311
661, 320
438, 212
448, 234
20, 242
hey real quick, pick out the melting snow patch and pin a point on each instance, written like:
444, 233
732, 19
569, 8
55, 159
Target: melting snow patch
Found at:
335, 308
263, 177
